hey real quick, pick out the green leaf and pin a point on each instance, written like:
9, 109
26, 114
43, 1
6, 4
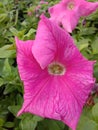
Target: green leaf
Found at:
95, 46
1, 82
17, 128
96, 71
19, 99
9, 124
14, 31
3, 128
88, 31
7, 51
96, 99
21, 34
7, 67
17, 33
3, 17
29, 122
1, 122
87, 111
14, 109
83, 44
8, 89
30, 33
52, 125
95, 112
87, 124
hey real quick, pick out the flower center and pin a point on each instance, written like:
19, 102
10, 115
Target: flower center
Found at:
56, 69
71, 5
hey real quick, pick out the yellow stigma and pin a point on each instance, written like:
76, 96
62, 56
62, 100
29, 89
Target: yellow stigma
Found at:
71, 5
56, 69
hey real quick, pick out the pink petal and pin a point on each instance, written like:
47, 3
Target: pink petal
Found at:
57, 9
69, 21
32, 89
86, 8
52, 98
30, 71
57, 12
27, 65
44, 45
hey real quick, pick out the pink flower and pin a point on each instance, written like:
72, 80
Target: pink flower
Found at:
57, 78
68, 12
30, 13
43, 2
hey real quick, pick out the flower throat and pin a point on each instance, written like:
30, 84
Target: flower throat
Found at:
71, 5
56, 69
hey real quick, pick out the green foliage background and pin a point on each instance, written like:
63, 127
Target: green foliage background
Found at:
16, 21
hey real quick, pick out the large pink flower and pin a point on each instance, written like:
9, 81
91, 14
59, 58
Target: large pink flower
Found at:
57, 78
68, 12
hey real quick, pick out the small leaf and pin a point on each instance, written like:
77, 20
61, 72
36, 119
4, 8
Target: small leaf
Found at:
3, 17
8, 89
31, 32
17, 33
95, 46
87, 124
88, 31
1, 128
14, 31
9, 125
17, 128
7, 67
29, 122
7, 51
53, 124
14, 109
1, 82
82, 44
1, 122
96, 71
95, 112
87, 111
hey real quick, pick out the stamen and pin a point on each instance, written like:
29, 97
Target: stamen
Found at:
56, 69
71, 5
